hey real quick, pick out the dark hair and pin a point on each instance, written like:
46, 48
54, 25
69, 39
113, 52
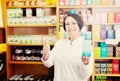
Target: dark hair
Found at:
77, 18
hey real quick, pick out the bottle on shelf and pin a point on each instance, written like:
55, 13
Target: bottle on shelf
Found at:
38, 54
17, 53
33, 51
28, 54
103, 49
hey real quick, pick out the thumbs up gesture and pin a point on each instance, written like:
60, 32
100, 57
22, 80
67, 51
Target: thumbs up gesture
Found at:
46, 50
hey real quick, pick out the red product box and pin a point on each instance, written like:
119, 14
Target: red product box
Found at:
117, 17
115, 66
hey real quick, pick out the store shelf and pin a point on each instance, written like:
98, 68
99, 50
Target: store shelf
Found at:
33, 25
106, 58
105, 6
28, 44
84, 24
75, 7
114, 75
2, 28
44, 6
1, 53
109, 41
25, 62
107, 24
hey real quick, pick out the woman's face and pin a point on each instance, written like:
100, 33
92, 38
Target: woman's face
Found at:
72, 27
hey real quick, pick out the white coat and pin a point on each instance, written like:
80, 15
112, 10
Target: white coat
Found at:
66, 58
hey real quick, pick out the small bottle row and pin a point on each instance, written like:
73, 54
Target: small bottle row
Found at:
75, 2
30, 77
30, 2
105, 78
26, 53
107, 2
31, 39
30, 16
107, 67
107, 17
86, 14
104, 32
106, 50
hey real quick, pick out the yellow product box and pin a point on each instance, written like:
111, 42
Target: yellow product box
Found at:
109, 65
2, 47
53, 1
49, 2
97, 52
96, 35
110, 17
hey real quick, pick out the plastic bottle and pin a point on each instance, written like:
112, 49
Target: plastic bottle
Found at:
103, 49
86, 51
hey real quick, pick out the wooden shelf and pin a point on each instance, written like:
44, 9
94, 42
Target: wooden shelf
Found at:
43, 6
107, 23
25, 62
116, 75
75, 7
84, 24
105, 6
33, 25
106, 58
2, 53
109, 41
2, 27
27, 44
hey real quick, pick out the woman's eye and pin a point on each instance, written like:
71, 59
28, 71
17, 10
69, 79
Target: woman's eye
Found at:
73, 23
67, 24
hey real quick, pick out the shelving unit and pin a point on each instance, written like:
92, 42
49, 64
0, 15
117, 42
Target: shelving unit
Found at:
19, 31
38, 29
107, 20
2, 45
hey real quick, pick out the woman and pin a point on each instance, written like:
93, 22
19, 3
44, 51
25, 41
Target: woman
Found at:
66, 56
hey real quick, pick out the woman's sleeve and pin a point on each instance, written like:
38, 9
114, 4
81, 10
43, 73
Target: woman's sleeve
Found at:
50, 62
86, 70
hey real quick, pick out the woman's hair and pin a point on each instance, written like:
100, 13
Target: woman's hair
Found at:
77, 18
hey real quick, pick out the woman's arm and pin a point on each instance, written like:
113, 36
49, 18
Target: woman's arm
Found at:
47, 60
48, 55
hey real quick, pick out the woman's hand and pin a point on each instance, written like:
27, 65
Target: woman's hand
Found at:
46, 51
85, 60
